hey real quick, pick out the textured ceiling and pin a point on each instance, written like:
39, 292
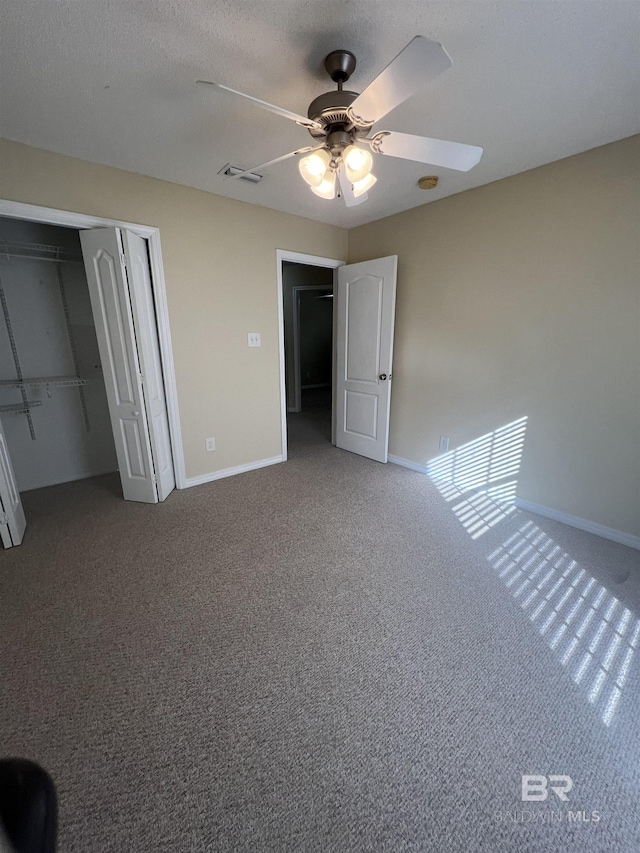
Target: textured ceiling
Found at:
113, 82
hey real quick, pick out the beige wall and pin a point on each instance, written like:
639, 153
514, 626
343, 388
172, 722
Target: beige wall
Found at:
220, 267
522, 298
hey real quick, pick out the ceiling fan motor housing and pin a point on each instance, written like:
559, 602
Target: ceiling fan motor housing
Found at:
330, 110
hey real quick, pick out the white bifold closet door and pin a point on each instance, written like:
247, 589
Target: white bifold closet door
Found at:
364, 350
12, 520
144, 319
117, 269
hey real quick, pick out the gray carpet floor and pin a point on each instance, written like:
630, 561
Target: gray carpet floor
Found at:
317, 656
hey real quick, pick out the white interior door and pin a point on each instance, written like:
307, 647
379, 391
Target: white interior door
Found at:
144, 317
366, 304
105, 264
12, 520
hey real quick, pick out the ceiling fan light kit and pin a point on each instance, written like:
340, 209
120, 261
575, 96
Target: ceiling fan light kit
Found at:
314, 166
357, 163
361, 187
327, 187
341, 121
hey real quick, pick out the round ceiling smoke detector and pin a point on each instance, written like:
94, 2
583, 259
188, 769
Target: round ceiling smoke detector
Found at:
429, 182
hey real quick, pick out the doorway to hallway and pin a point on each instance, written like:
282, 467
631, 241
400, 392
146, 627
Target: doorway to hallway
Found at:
312, 425
308, 338
362, 348
307, 359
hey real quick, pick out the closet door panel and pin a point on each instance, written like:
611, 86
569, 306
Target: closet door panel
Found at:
111, 303
144, 318
12, 520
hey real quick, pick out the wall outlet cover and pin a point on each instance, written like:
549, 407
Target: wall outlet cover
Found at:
211, 444
254, 339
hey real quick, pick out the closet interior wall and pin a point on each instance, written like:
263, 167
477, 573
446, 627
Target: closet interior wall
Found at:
58, 428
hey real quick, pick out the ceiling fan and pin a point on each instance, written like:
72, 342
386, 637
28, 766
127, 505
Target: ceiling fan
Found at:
341, 123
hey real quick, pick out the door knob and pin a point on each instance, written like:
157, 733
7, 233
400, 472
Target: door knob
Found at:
135, 414
382, 376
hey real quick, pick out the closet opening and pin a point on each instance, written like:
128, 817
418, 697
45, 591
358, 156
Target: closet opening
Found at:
82, 390
53, 402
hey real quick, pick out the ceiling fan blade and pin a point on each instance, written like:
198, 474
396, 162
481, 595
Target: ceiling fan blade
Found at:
420, 61
272, 162
437, 152
301, 120
346, 189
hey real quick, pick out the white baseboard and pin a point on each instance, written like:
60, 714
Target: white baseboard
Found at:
231, 472
407, 463
581, 523
545, 511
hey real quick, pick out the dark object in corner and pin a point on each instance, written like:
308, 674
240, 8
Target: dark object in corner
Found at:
28, 807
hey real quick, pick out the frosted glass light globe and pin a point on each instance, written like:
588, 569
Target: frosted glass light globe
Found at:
361, 187
357, 163
313, 167
327, 188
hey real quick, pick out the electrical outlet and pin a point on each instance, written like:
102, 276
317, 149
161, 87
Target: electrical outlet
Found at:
211, 444
444, 442
254, 339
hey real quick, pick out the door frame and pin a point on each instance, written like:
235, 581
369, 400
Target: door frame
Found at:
81, 221
297, 375
312, 261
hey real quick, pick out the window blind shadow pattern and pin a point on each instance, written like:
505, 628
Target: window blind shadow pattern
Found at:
592, 634
479, 479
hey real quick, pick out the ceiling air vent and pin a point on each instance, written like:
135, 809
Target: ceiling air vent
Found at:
229, 171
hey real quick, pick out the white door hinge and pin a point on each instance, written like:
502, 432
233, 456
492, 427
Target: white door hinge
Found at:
123, 259
4, 518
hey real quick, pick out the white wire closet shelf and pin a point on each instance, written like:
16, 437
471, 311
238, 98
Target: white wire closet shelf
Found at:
58, 255
37, 252
59, 381
21, 408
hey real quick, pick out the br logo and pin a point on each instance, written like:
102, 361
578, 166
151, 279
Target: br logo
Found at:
536, 788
